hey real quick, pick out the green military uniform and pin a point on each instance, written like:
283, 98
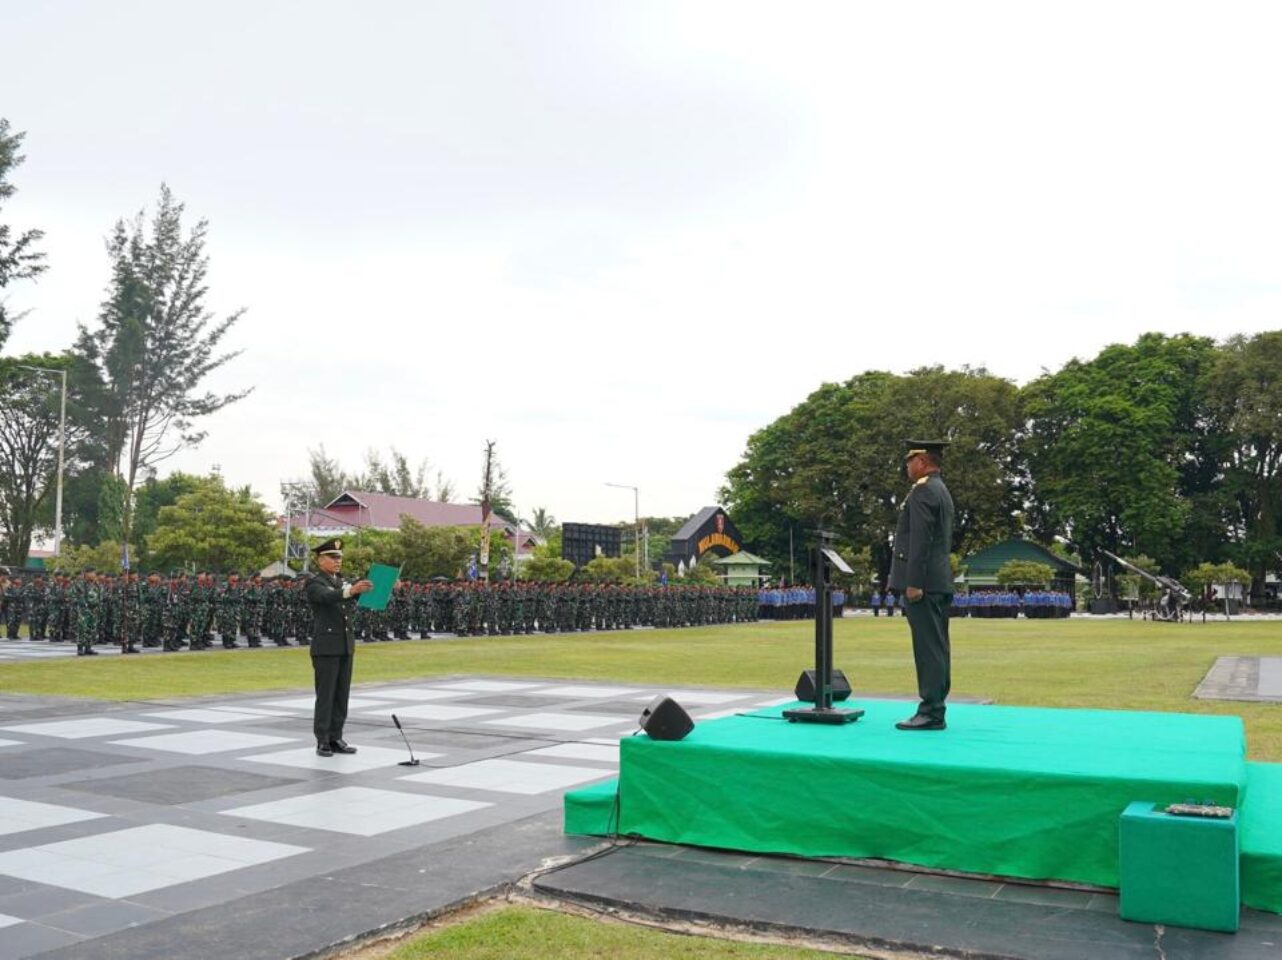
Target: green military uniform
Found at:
37, 597
86, 600
333, 647
13, 604
923, 542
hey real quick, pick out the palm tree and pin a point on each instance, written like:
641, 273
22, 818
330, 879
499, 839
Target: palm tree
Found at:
543, 523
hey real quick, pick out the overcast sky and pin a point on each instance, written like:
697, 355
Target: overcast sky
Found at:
619, 237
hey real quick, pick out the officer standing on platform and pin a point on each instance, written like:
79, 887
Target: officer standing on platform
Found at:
921, 571
333, 645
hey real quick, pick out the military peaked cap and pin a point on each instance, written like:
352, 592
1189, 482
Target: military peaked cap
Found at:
915, 447
332, 546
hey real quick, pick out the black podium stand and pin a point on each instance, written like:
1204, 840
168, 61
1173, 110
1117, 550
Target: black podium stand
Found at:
823, 559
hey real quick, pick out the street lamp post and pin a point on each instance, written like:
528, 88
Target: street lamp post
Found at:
62, 446
636, 506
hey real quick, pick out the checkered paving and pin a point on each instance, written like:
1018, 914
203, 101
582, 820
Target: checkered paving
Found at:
167, 832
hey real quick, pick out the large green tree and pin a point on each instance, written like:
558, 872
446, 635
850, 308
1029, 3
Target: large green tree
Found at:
1112, 447
836, 462
424, 552
1245, 397
19, 258
214, 529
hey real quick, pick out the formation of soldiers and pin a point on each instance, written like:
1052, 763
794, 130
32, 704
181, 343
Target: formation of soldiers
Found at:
182, 611
999, 604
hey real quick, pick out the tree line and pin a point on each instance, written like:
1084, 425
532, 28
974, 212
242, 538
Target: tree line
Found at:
1168, 447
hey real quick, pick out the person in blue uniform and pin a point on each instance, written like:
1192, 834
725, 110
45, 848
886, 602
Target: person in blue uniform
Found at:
920, 570
333, 645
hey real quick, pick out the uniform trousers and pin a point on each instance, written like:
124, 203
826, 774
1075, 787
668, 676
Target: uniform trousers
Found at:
932, 653
333, 684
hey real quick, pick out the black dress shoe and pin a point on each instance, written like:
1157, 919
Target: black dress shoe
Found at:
323, 749
340, 746
921, 722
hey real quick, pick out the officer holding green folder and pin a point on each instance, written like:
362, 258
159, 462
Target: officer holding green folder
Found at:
333, 645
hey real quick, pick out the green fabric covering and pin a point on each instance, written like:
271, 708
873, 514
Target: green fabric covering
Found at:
590, 811
1023, 792
1179, 870
1262, 837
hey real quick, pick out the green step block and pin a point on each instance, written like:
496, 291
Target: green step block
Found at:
1181, 871
593, 811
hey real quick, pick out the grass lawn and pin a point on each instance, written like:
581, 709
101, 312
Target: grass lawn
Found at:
527, 933
1119, 664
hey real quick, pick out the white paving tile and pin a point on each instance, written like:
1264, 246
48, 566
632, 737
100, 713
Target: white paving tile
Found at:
10, 743
202, 715
707, 697
258, 711
717, 714
488, 686
128, 862
366, 758
580, 692
597, 752
559, 721
309, 703
510, 776
85, 727
17, 816
361, 811
439, 711
204, 741
8, 921
417, 694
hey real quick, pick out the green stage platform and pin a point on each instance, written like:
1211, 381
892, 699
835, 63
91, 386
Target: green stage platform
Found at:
1012, 791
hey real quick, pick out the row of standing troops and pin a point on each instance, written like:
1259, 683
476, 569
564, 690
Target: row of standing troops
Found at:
183, 611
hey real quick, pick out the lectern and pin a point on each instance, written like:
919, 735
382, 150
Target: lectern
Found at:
823, 559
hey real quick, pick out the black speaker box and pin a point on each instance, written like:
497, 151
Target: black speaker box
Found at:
665, 720
806, 686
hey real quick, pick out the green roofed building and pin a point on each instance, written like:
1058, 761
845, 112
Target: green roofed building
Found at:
979, 570
741, 569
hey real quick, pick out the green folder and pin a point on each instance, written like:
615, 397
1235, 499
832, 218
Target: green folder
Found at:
383, 578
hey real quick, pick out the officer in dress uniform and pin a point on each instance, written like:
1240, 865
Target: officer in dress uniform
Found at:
921, 571
333, 645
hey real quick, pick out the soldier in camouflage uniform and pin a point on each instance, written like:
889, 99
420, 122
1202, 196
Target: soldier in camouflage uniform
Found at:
86, 602
37, 604
59, 607
398, 611
251, 611
153, 594
301, 613
228, 600
13, 605
200, 614
178, 611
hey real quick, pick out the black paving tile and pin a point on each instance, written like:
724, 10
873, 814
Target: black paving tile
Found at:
178, 785
51, 761
855, 873
41, 900
96, 919
1048, 896
958, 886
25, 939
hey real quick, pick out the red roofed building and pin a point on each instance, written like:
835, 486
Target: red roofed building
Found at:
365, 510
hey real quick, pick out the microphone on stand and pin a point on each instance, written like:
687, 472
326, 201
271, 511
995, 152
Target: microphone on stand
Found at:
412, 761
